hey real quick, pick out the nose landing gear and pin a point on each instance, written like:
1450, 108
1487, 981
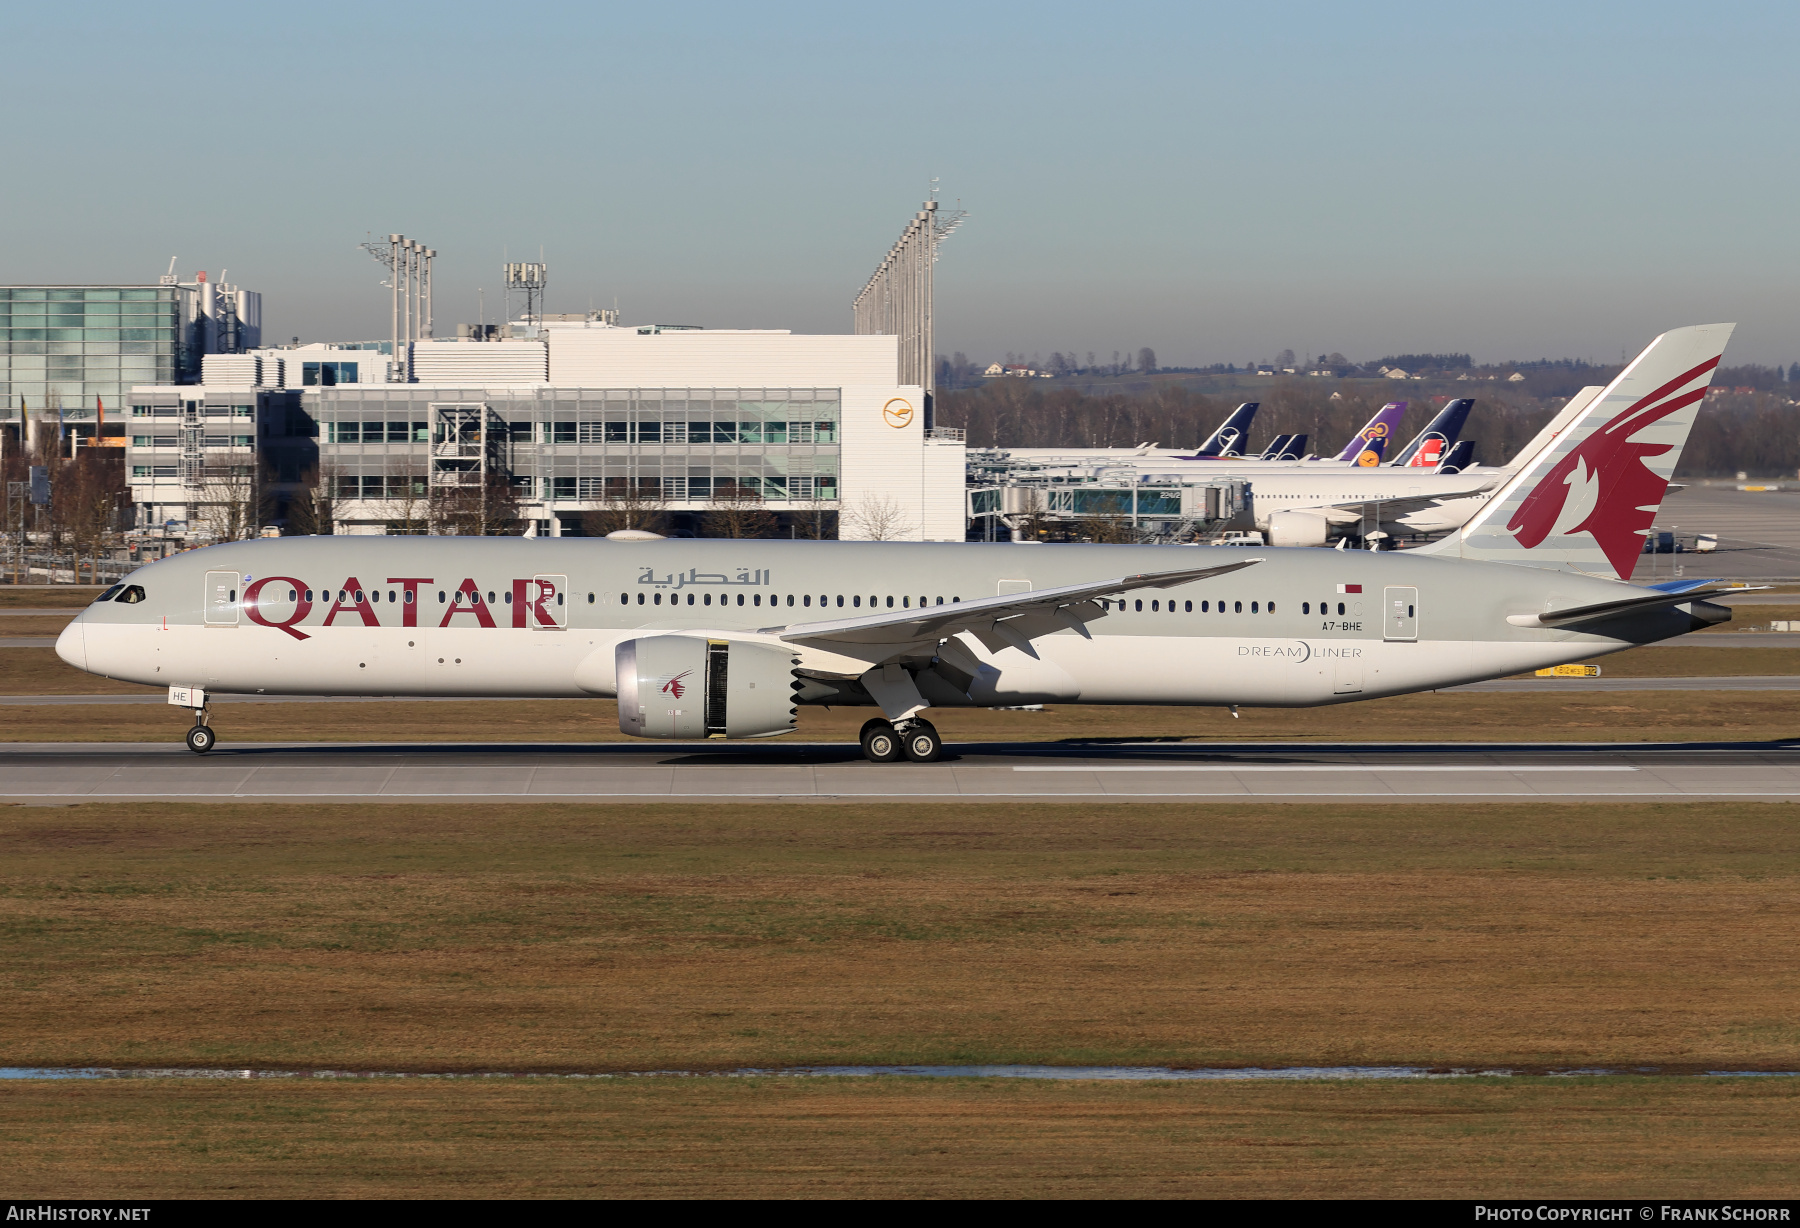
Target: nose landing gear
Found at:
200, 738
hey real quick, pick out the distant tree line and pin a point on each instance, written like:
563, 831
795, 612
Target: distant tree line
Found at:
1425, 362
1756, 430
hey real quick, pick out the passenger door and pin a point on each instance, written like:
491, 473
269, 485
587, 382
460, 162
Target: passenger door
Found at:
220, 601
1400, 614
551, 598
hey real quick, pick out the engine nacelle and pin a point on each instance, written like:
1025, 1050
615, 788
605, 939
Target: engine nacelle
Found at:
684, 686
1296, 529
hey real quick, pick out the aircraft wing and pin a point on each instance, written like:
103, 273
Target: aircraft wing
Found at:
988, 614
1388, 509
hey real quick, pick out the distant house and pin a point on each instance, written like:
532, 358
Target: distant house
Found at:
1018, 372
994, 371
1394, 373
1515, 378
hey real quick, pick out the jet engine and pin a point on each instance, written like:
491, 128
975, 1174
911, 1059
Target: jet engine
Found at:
1296, 529
683, 686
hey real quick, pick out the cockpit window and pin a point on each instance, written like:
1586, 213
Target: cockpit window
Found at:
109, 594
132, 595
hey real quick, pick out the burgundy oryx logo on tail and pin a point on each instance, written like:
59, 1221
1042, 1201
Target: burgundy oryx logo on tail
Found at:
1611, 461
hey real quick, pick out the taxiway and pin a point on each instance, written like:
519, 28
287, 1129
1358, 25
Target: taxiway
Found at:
1147, 771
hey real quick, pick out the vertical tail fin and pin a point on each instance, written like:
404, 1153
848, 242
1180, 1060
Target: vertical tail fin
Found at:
1585, 501
1565, 417
1429, 445
1381, 426
1229, 439
1460, 456
1273, 451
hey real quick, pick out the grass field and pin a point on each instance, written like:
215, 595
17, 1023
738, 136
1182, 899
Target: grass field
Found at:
717, 937
720, 936
40, 597
1633, 1139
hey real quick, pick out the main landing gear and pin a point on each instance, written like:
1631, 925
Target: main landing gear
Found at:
915, 740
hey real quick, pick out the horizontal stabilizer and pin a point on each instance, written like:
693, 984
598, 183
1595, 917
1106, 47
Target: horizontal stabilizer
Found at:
1558, 620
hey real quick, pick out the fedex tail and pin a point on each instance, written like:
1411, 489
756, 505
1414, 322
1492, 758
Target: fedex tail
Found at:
1585, 501
1381, 427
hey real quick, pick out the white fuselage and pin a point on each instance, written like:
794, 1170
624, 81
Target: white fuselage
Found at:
323, 616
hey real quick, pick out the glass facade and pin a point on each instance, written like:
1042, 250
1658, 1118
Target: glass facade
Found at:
570, 448
68, 348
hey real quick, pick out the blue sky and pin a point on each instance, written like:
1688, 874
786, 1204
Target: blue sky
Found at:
1218, 182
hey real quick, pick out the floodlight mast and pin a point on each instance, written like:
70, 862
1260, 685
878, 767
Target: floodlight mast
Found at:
394, 281
898, 299
408, 263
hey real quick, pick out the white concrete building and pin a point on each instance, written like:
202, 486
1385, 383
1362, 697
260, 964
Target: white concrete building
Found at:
584, 410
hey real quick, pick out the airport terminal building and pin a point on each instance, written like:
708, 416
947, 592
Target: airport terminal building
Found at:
565, 417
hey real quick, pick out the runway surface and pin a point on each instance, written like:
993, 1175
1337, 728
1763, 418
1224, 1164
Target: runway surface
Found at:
1089, 771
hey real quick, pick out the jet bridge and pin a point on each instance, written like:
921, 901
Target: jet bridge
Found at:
1098, 499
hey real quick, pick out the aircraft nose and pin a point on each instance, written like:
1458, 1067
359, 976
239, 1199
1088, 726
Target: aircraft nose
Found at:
71, 645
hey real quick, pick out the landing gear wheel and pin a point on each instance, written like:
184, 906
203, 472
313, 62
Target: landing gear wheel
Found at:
922, 743
880, 744
201, 739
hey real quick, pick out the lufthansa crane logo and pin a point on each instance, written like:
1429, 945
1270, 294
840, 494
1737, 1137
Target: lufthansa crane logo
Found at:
898, 413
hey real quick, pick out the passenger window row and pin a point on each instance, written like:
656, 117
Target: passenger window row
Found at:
1187, 607
804, 600
1206, 607
359, 597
